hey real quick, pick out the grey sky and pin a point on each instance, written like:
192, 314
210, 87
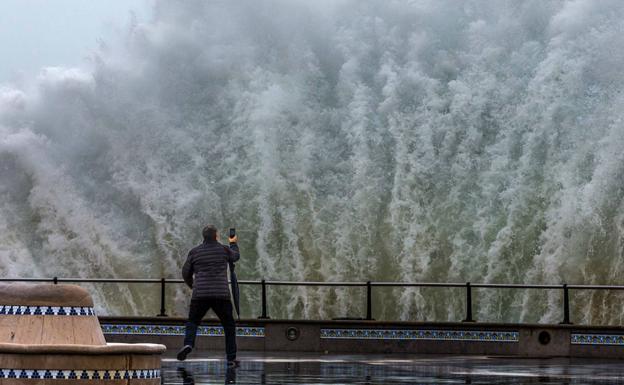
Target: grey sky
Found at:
40, 33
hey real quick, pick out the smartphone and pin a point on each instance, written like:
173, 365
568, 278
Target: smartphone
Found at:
232, 232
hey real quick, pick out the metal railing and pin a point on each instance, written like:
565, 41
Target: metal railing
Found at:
565, 288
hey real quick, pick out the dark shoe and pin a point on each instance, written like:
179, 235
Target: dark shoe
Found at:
230, 375
184, 352
187, 377
233, 363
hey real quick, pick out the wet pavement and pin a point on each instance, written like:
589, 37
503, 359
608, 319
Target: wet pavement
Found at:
298, 368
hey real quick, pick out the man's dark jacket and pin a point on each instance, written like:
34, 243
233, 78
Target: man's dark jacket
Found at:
209, 262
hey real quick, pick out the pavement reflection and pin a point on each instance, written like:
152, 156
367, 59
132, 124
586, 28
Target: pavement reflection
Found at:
188, 379
263, 368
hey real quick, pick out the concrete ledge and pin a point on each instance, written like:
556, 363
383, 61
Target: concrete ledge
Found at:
111, 348
25, 294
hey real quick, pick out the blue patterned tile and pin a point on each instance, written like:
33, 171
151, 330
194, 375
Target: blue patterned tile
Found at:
79, 374
422, 334
46, 310
176, 330
597, 339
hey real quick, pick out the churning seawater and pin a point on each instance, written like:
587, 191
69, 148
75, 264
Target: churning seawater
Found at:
431, 140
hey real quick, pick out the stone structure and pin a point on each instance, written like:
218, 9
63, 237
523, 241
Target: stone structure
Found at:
382, 337
50, 334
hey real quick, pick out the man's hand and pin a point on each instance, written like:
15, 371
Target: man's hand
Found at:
233, 239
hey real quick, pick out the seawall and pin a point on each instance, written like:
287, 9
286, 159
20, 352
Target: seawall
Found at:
381, 337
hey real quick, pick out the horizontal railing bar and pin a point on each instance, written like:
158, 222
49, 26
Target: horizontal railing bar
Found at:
168, 280
327, 284
85, 280
514, 286
312, 283
596, 287
463, 284
417, 284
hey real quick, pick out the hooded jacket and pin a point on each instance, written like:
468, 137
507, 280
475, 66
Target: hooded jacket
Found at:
205, 270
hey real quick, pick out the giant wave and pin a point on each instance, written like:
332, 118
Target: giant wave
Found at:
347, 140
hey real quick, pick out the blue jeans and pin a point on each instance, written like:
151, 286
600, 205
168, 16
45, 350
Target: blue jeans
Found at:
223, 309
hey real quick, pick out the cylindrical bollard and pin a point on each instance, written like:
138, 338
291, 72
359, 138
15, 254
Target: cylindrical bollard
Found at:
68, 346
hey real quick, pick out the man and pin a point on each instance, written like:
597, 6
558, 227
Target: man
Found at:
205, 271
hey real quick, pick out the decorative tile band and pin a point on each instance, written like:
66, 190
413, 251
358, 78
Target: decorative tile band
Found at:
597, 339
422, 334
69, 374
178, 330
46, 310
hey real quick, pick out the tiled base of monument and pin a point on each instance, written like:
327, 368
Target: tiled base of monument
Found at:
134, 369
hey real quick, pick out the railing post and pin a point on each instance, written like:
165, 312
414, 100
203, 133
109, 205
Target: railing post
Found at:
566, 306
264, 301
468, 303
55, 280
162, 298
369, 301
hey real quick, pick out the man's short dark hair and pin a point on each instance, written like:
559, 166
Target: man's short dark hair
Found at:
209, 233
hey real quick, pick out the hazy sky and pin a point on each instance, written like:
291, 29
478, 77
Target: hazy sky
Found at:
40, 33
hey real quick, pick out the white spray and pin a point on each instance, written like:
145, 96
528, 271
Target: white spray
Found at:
352, 140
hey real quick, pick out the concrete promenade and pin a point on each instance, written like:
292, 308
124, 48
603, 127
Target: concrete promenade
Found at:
205, 368
375, 337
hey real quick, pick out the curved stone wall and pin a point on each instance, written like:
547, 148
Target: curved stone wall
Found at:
49, 334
